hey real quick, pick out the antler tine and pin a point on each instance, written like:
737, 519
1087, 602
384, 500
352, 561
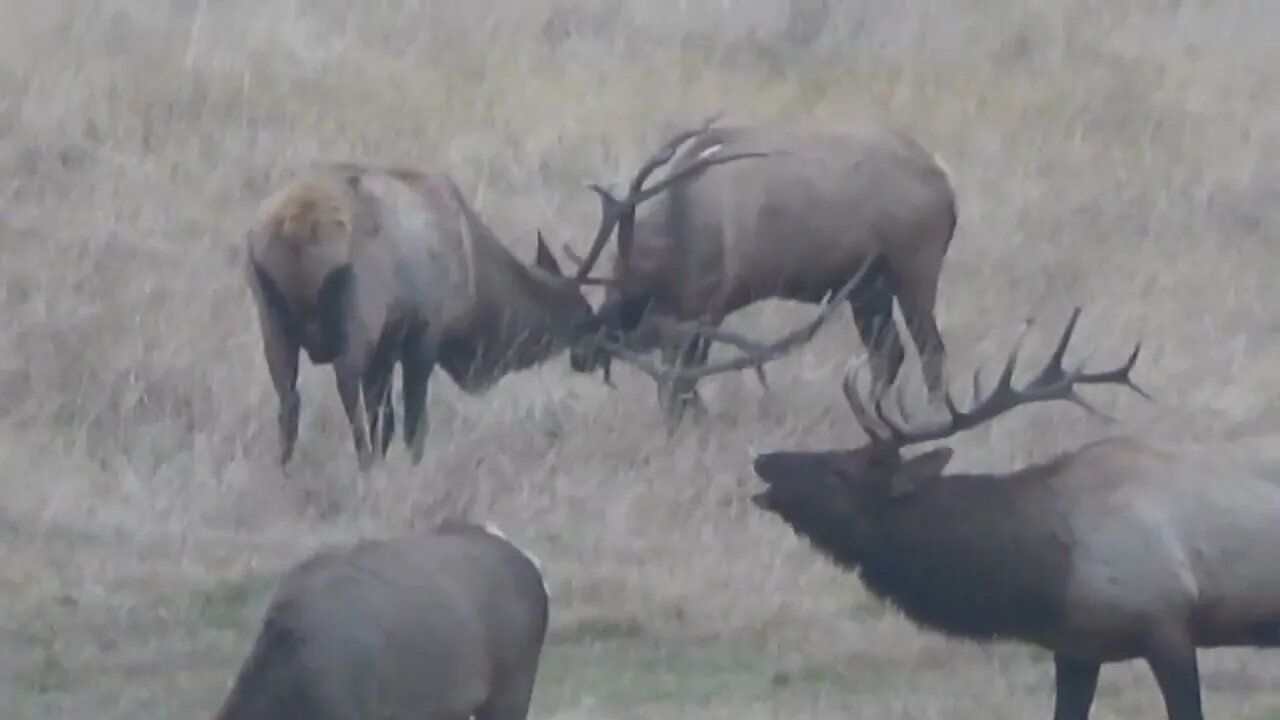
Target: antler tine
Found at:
610, 212
702, 163
663, 154
1118, 376
1053, 382
621, 213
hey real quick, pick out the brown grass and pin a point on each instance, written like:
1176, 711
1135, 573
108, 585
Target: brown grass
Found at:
1113, 155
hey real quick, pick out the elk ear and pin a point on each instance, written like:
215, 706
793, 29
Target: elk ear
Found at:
545, 260
917, 470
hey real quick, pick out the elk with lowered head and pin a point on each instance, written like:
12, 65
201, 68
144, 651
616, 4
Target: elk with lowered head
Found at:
446, 624
796, 224
1124, 548
364, 267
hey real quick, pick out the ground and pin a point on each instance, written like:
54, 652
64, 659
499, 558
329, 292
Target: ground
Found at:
1116, 156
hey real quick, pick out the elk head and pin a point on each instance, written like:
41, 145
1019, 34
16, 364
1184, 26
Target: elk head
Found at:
623, 309
854, 487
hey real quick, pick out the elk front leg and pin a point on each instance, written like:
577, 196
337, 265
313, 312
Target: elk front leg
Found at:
348, 371
417, 363
282, 364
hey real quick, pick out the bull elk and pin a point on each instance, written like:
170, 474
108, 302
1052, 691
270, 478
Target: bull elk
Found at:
364, 267
795, 224
446, 624
1124, 548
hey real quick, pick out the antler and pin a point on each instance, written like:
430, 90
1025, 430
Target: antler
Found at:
621, 213
1052, 383
757, 353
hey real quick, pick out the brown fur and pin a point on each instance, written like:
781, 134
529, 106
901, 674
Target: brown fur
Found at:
366, 267
443, 625
796, 224
1125, 548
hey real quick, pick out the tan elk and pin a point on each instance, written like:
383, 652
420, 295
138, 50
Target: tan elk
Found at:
447, 624
795, 224
1124, 548
364, 267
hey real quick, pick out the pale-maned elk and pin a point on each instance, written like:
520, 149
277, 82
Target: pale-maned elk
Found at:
446, 624
795, 224
1124, 548
364, 267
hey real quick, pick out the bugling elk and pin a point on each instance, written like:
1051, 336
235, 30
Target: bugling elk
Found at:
364, 267
446, 624
812, 212
1124, 548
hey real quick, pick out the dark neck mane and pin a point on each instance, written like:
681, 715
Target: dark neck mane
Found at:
975, 556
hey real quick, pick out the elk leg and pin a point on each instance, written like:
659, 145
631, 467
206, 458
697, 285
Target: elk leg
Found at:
377, 382
347, 370
916, 286
416, 364
1077, 683
1173, 662
873, 316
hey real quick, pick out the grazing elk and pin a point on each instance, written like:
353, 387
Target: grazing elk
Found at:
1124, 548
795, 224
446, 624
364, 267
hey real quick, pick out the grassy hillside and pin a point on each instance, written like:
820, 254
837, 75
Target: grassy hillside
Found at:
1119, 156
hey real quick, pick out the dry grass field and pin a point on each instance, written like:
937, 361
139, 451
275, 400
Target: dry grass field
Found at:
1121, 156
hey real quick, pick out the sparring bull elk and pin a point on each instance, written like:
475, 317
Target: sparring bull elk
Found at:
796, 224
365, 267
446, 624
1124, 548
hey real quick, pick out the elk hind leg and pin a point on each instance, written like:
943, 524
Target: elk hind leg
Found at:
916, 287
1172, 657
873, 316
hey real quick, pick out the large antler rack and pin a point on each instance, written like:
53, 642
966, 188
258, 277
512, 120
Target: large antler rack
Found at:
621, 213
1053, 382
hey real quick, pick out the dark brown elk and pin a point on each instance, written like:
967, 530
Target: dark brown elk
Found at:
447, 624
795, 224
1124, 548
364, 267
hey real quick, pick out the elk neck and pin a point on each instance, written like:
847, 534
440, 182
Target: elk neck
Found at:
522, 317
975, 556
